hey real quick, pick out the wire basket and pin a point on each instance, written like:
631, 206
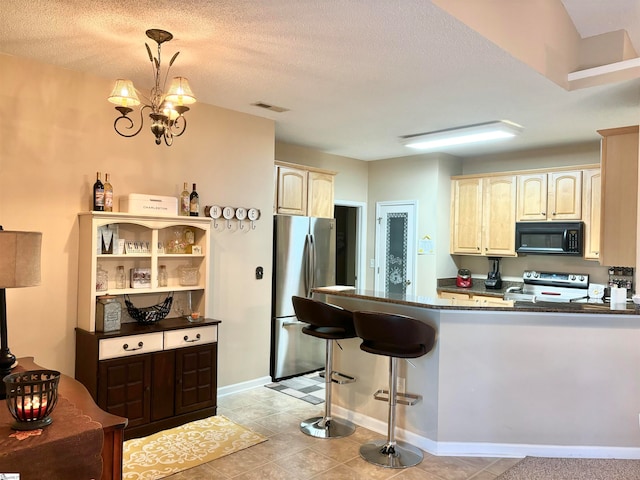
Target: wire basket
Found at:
152, 314
31, 396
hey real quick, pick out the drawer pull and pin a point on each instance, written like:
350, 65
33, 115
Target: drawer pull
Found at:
186, 338
126, 347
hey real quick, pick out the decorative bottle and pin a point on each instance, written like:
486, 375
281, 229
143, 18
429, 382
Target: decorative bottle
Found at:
108, 194
121, 278
185, 202
102, 279
98, 195
162, 276
194, 202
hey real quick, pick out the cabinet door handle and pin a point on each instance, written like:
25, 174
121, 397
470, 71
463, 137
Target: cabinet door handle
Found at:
126, 347
186, 338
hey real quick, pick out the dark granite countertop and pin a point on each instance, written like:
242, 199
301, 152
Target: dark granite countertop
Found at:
446, 304
477, 287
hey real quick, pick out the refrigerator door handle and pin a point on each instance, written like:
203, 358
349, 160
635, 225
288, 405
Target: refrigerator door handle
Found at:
311, 259
293, 322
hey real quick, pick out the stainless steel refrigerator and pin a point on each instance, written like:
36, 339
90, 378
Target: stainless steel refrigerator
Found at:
304, 252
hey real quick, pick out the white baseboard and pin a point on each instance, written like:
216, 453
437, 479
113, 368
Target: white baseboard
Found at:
242, 386
477, 449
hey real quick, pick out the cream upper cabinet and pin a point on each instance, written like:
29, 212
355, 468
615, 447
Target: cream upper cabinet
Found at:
291, 191
483, 216
619, 165
466, 216
303, 191
550, 196
498, 216
320, 194
591, 213
532, 197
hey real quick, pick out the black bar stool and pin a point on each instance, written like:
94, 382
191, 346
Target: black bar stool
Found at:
395, 336
330, 323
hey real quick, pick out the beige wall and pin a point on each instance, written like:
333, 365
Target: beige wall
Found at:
561, 156
57, 132
424, 178
352, 179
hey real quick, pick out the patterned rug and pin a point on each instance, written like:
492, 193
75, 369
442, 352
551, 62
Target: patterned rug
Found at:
187, 446
309, 388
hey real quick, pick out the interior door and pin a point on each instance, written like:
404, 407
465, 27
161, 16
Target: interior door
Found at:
395, 247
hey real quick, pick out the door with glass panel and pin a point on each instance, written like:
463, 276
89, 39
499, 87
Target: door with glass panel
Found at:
395, 247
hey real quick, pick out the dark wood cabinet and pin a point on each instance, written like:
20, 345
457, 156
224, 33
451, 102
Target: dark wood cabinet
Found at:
195, 379
125, 388
158, 376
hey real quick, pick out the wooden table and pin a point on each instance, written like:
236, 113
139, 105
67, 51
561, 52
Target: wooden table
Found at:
73, 396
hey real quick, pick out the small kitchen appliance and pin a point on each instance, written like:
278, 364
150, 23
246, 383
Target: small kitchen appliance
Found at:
463, 280
493, 280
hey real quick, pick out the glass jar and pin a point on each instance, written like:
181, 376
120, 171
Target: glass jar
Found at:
163, 278
102, 279
121, 278
189, 276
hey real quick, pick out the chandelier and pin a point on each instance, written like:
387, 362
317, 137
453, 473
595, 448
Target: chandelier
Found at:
166, 110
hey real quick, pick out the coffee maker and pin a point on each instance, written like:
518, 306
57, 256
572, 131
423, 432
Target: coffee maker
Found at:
493, 281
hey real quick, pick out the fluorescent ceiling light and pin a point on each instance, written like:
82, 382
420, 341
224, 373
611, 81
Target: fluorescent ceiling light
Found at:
480, 132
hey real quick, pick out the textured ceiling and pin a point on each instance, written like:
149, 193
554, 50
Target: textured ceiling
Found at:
355, 74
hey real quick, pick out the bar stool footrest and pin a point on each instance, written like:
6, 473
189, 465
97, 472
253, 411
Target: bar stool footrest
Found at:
340, 378
401, 397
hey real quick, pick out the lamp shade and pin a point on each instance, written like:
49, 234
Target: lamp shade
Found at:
124, 94
180, 92
19, 258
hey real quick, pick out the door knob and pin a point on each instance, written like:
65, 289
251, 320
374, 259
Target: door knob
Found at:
407, 282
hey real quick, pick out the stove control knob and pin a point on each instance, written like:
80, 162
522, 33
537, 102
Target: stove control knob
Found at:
581, 278
527, 274
573, 277
536, 274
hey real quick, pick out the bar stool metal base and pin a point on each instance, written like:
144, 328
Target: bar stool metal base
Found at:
400, 455
320, 428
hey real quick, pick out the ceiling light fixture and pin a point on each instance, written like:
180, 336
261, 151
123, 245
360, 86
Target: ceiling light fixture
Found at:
166, 109
479, 132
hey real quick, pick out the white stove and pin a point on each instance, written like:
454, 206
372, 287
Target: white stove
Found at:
553, 287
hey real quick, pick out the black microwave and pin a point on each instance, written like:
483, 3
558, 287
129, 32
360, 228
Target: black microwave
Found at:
550, 238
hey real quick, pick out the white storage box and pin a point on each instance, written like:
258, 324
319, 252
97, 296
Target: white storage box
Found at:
150, 204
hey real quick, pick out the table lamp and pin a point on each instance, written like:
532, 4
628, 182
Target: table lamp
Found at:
19, 267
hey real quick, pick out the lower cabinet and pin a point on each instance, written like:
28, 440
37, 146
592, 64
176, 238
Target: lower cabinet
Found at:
155, 390
471, 300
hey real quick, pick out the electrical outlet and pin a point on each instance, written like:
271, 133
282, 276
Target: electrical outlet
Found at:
400, 385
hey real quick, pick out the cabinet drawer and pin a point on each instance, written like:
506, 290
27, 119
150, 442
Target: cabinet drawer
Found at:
129, 345
188, 337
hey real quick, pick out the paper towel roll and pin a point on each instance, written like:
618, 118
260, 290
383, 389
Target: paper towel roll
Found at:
618, 298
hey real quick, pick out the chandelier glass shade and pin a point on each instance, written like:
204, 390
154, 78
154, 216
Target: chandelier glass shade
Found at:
166, 110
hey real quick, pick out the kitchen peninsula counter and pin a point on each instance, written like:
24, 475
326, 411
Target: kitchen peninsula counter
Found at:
477, 287
447, 304
532, 379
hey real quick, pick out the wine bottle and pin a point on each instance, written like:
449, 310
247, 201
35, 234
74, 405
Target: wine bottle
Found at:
108, 194
98, 195
194, 202
185, 201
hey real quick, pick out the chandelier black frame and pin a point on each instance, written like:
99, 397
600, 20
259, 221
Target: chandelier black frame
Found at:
166, 109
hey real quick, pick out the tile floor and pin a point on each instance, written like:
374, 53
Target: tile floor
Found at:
291, 455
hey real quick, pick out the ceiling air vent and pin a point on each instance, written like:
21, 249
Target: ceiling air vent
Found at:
273, 108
